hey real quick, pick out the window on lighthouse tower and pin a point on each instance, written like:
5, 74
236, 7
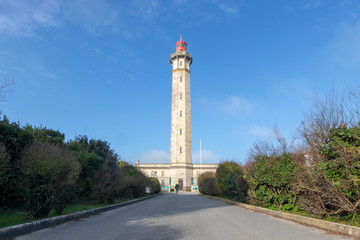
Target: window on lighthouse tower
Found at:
180, 78
180, 63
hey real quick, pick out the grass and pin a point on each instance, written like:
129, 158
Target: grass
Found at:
13, 218
17, 217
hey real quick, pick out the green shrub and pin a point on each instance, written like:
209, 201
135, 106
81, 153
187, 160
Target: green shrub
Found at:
226, 175
50, 173
271, 181
14, 140
242, 187
207, 184
154, 185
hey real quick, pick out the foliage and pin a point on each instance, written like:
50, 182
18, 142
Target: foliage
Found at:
329, 178
337, 175
226, 175
207, 184
50, 174
242, 187
13, 140
105, 184
4, 165
155, 187
44, 135
134, 182
91, 157
34, 161
271, 181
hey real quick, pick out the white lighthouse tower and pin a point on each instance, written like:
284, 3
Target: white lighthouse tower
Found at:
180, 170
180, 141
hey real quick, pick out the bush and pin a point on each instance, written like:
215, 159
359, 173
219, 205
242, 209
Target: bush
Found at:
207, 184
271, 181
333, 186
105, 183
50, 173
14, 140
154, 185
226, 175
134, 182
242, 189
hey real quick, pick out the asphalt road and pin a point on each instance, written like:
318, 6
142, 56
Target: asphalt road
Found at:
181, 216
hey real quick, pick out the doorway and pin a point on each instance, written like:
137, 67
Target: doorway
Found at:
181, 183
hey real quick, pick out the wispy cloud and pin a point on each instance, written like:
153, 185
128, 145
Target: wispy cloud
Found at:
23, 18
155, 156
128, 18
232, 105
206, 156
310, 4
259, 131
345, 47
227, 8
90, 14
48, 75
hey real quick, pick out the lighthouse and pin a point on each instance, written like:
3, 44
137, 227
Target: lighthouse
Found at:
180, 140
180, 169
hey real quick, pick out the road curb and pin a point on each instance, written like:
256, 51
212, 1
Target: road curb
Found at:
335, 227
21, 229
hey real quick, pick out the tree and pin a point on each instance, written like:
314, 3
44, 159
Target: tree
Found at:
332, 112
105, 183
337, 189
8, 82
13, 140
4, 165
42, 135
50, 174
329, 176
134, 181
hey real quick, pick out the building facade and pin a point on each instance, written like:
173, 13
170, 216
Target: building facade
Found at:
180, 170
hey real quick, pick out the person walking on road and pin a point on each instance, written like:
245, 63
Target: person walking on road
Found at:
177, 188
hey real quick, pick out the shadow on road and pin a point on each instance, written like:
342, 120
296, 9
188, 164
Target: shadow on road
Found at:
163, 217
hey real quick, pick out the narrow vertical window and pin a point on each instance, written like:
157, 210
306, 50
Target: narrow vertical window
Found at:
180, 113
180, 63
163, 175
180, 131
180, 149
180, 95
180, 78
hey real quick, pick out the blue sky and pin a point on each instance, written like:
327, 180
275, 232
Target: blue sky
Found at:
101, 68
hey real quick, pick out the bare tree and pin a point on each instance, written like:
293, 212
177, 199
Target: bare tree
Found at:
7, 82
331, 112
339, 109
276, 145
354, 101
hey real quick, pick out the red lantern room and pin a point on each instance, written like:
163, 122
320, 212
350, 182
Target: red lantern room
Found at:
181, 46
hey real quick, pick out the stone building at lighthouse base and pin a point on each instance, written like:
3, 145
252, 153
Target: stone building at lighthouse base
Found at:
168, 175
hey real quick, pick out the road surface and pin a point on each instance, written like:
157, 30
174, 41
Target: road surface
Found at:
181, 216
